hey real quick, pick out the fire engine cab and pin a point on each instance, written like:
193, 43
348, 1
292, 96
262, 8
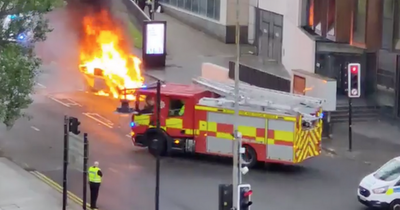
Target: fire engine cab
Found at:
276, 126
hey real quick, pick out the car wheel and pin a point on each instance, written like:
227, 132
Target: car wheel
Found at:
395, 205
249, 158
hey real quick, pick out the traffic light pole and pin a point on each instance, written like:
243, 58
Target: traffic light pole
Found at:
353, 91
65, 163
85, 169
350, 124
158, 115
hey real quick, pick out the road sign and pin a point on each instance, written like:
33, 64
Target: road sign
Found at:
75, 151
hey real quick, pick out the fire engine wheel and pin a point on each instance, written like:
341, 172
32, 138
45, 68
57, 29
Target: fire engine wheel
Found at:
395, 205
157, 144
249, 158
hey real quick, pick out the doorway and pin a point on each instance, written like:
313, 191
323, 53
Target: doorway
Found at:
299, 85
334, 65
270, 28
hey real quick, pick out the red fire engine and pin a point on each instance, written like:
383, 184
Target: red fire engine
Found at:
276, 126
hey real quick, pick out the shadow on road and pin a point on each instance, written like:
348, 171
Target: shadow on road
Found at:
227, 162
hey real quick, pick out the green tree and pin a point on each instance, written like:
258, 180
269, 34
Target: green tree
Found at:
19, 65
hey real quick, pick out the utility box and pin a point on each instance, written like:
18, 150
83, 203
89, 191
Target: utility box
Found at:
314, 85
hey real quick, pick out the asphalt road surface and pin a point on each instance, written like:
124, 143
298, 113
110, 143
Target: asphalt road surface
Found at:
325, 182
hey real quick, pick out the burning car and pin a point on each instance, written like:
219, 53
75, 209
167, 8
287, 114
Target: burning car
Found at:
105, 58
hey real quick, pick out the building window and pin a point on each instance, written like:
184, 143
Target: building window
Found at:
387, 24
307, 13
397, 26
310, 13
359, 21
331, 17
386, 79
213, 9
206, 8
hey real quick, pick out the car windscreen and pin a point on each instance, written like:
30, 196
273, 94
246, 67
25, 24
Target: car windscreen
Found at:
389, 172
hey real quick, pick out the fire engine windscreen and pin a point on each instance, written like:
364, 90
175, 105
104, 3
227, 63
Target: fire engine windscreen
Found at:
145, 104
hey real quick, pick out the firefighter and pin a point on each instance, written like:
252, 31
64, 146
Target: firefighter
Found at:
182, 110
95, 176
149, 106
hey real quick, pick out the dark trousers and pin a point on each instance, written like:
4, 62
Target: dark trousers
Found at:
142, 4
94, 193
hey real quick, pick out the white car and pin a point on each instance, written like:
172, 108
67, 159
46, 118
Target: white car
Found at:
381, 189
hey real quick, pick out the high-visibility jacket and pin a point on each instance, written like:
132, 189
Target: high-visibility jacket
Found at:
182, 111
93, 174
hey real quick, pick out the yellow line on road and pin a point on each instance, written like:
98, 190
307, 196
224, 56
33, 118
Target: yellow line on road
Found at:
57, 187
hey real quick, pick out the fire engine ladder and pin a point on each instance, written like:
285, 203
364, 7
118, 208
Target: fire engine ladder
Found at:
262, 97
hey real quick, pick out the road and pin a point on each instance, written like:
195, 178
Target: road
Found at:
186, 183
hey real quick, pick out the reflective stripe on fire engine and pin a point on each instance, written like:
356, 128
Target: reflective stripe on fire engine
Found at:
245, 113
280, 137
142, 119
221, 125
308, 141
174, 123
218, 129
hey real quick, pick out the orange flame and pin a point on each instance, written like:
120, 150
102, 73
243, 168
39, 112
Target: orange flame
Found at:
103, 50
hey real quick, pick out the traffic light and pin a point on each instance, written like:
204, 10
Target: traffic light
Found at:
225, 193
244, 193
354, 80
74, 125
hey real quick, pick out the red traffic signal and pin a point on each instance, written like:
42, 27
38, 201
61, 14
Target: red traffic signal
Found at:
354, 69
248, 193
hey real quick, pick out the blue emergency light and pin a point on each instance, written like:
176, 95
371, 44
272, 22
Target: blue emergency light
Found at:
21, 37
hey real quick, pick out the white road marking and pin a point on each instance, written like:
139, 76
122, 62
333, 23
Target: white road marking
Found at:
68, 102
129, 136
58, 101
72, 103
34, 128
113, 170
26, 165
102, 121
41, 85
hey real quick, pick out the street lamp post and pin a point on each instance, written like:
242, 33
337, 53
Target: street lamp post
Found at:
236, 175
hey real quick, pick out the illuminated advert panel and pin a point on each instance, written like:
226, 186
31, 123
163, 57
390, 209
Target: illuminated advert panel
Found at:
154, 43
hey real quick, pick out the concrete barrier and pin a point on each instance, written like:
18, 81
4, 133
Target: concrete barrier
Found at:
134, 11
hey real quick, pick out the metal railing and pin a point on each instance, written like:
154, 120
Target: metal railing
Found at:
135, 11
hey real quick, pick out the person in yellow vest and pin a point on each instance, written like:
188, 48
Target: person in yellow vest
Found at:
182, 110
95, 176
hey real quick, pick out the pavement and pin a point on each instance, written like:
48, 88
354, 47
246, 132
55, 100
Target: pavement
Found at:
20, 189
187, 183
373, 142
187, 49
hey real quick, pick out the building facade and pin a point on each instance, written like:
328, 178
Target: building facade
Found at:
215, 17
318, 36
